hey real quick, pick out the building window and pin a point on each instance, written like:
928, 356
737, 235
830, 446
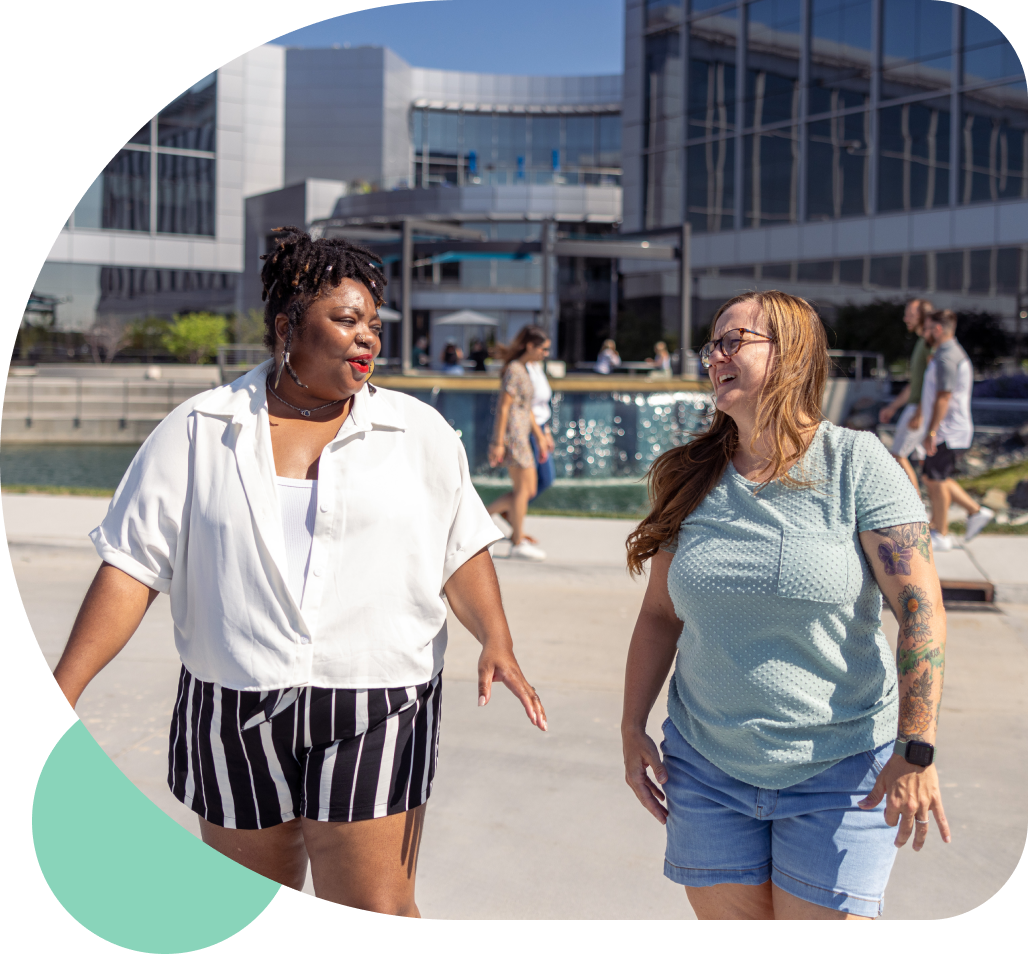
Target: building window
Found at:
711, 185
171, 159
913, 159
917, 46
837, 157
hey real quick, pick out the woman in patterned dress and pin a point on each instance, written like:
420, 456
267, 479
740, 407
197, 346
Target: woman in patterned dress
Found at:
511, 444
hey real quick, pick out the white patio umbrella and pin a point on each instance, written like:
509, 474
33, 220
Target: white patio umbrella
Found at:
466, 317
389, 314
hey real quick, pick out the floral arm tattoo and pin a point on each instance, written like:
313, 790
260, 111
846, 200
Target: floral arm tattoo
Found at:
903, 555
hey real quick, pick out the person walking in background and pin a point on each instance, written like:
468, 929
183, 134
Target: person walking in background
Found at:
419, 353
307, 527
793, 747
511, 444
946, 398
661, 361
542, 411
478, 352
906, 442
452, 357
608, 358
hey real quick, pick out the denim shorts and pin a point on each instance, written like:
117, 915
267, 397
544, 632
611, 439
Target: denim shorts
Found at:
809, 839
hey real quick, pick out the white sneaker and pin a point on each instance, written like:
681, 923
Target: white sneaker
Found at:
977, 522
527, 551
940, 543
502, 525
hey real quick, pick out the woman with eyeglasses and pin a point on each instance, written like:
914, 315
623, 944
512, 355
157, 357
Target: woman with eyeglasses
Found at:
794, 744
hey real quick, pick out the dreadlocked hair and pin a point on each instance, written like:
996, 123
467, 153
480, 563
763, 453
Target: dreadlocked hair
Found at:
301, 268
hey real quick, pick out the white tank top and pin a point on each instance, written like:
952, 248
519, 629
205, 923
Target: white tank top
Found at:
298, 501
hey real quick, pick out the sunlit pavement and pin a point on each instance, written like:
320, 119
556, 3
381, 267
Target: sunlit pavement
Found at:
530, 825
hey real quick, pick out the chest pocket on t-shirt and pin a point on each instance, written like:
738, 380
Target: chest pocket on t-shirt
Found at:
819, 566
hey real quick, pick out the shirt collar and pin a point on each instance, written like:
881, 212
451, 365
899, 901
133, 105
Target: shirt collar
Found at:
244, 398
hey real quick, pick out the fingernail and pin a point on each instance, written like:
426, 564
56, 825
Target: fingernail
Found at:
543, 723
481, 700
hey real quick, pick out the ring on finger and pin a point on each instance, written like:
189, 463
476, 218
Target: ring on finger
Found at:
921, 821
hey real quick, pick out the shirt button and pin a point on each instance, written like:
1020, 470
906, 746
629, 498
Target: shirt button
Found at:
325, 507
317, 571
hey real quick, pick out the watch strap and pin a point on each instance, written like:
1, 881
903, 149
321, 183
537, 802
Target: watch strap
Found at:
902, 748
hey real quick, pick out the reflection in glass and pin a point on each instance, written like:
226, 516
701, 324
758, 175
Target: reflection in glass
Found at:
993, 145
988, 54
851, 271
126, 192
949, 271
711, 188
189, 121
980, 271
773, 27
914, 156
610, 141
837, 161
580, 143
771, 177
185, 195
1008, 271
917, 46
711, 98
917, 271
887, 272
546, 143
815, 271
661, 12
840, 44
662, 187
511, 141
662, 120
89, 211
443, 133
142, 137
478, 145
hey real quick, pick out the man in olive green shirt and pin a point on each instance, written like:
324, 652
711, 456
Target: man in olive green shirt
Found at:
910, 426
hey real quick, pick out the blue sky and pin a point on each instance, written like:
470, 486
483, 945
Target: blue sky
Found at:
534, 37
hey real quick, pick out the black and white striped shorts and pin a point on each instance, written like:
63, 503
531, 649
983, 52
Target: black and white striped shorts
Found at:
256, 759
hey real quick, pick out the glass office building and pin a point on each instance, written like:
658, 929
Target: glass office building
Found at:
848, 147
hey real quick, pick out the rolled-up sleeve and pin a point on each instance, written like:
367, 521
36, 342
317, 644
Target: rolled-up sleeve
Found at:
143, 530
471, 529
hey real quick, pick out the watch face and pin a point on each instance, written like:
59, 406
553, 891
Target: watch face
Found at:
920, 753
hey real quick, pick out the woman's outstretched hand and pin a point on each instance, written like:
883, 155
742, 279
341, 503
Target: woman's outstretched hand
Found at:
499, 665
641, 753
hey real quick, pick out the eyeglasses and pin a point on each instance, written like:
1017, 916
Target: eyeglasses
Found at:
729, 343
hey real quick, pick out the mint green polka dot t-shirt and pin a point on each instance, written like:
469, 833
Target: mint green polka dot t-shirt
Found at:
783, 668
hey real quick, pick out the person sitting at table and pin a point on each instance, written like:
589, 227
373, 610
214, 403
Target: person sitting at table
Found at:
608, 358
452, 357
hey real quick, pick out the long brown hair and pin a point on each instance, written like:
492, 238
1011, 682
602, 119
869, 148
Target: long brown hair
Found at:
528, 335
789, 402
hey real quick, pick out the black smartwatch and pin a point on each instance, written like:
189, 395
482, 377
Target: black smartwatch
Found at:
916, 753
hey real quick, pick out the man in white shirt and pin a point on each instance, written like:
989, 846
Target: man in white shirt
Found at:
946, 400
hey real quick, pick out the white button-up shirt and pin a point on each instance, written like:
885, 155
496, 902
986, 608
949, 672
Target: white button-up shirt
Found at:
197, 516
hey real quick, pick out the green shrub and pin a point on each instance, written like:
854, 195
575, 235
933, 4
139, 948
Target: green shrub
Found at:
196, 336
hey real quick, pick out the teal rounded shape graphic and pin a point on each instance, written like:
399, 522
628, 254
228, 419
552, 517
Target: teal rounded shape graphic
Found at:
125, 870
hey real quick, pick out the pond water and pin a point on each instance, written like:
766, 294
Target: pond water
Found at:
605, 443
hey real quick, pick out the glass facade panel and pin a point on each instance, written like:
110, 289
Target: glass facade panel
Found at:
609, 141
771, 177
711, 99
662, 12
443, 133
887, 272
993, 157
663, 188
815, 271
1008, 271
917, 271
546, 143
711, 185
512, 144
917, 46
580, 141
949, 271
126, 192
837, 158
913, 164
980, 271
840, 46
851, 271
89, 211
478, 144
185, 195
988, 54
189, 121
143, 136
774, 26
662, 120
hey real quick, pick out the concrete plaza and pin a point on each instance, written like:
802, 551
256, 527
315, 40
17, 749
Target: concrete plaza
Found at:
529, 825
